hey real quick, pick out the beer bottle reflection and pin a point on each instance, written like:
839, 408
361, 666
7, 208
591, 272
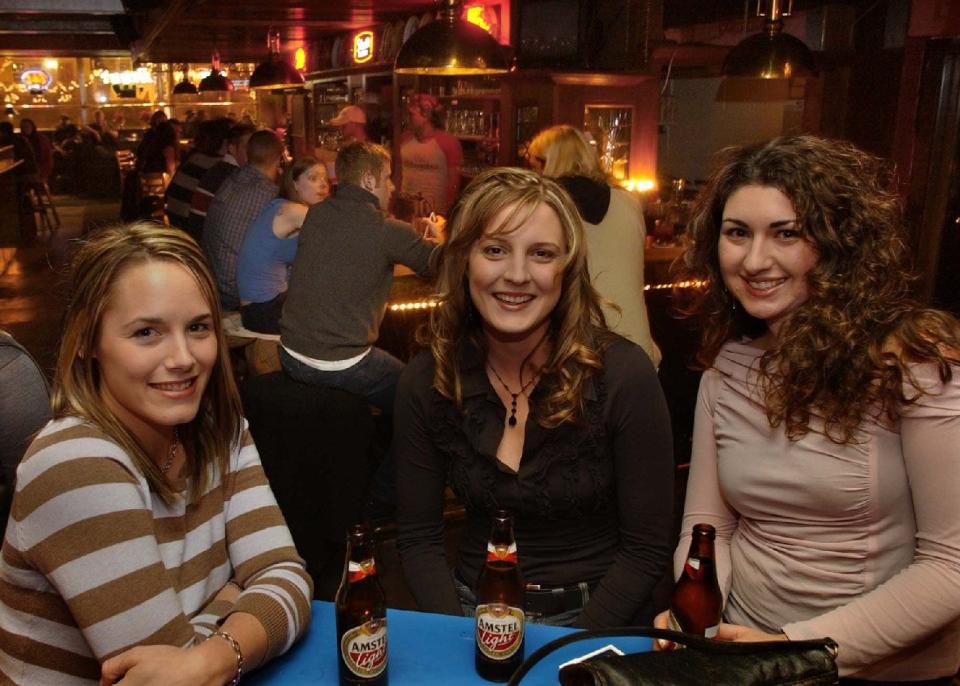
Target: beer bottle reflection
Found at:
696, 603
361, 614
499, 615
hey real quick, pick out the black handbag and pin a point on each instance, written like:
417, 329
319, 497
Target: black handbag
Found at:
702, 661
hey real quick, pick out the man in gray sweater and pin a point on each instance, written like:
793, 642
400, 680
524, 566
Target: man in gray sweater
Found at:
341, 279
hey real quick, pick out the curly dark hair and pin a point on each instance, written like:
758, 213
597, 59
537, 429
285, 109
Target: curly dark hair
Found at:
844, 353
578, 334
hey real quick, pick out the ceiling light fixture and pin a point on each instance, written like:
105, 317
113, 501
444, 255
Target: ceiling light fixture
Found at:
451, 46
771, 54
185, 87
275, 72
216, 82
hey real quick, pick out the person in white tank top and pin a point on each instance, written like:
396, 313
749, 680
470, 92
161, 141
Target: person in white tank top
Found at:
430, 158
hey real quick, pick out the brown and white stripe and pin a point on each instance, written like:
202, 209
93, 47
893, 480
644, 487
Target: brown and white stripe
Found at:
94, 563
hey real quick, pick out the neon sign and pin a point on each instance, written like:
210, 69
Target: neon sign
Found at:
36, 80
363, 47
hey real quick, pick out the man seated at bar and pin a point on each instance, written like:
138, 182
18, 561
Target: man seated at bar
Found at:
341, 279
208, 185
827, 426
209, 146
238, 202
526, 401
430, 158
144, 543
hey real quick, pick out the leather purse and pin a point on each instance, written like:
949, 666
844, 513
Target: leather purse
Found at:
701, 661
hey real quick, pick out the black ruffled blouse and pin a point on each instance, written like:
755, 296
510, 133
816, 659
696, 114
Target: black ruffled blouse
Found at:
591, 502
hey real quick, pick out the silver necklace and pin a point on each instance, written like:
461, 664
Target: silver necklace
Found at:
165, 467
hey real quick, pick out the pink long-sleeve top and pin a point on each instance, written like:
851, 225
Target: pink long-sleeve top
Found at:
858, 542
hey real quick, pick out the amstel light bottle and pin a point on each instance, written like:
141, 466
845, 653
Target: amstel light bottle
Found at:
696, 603
361, 615
500, 590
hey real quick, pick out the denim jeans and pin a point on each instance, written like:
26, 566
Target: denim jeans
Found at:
468, 603
374, 377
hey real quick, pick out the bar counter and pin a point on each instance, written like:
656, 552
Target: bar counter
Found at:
423, 649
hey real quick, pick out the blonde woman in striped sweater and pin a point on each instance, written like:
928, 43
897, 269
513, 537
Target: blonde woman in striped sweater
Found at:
143, 524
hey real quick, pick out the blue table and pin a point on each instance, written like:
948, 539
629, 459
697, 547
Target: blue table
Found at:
423, 649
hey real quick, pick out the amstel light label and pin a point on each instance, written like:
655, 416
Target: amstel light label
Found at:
499, 630
364, 648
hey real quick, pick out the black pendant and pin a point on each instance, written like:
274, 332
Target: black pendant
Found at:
513, 420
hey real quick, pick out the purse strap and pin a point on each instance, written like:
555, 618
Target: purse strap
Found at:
710, 645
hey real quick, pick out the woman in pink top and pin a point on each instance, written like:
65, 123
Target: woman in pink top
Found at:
828, 420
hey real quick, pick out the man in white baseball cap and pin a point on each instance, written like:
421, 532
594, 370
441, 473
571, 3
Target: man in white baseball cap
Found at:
352, 122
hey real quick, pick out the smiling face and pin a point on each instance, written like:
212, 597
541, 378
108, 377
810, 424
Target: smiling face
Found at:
515, 278
763, 254
155, 348
312, 185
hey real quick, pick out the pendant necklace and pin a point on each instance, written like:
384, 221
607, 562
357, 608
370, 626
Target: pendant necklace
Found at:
165, 467
513, 396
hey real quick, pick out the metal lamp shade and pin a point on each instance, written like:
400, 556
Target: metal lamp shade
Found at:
184, 88
770, 55
451, 47
215, 82
275, 73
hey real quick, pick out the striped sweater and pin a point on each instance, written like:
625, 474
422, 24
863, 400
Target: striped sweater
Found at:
95, 563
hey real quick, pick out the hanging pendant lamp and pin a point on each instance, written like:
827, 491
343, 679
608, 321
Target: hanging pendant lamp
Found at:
771, 54
451, 46
185, 87
275, 72
216, 82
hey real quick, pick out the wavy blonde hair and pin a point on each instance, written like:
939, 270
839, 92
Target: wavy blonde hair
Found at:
843, 354
577, 333
95, 268
565, 151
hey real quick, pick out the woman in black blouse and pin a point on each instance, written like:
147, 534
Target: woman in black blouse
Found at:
526, 401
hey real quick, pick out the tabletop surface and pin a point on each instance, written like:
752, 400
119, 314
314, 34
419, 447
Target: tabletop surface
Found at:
423, 649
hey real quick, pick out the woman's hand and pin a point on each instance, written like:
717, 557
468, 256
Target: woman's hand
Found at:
726, 632
211, 663
743, 634
662, 621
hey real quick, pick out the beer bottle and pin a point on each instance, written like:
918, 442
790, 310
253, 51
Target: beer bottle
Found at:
696, 604
361, 614
499, 615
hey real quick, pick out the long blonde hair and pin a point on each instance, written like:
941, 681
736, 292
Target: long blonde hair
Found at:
577, 333
565, 151
95, 268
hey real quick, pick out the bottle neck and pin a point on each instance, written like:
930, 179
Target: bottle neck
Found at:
701, 546
360, 561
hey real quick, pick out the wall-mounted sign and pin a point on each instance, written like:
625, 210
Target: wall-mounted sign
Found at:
363, 47
129, 77
36, 80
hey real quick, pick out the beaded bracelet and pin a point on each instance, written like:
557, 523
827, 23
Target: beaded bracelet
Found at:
236, 648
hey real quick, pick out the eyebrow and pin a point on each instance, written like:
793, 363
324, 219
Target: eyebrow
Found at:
773, 225
159, 320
